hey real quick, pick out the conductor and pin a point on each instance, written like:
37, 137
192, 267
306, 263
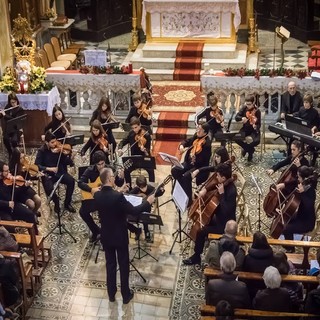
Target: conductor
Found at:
113, 209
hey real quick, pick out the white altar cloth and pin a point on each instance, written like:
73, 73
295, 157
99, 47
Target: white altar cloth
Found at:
76, 81
190, 18
227, 85
40, 101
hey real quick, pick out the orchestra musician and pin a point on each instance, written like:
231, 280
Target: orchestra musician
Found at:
59, 126
52, 161
250, 116
98, 141
10, 207
213, 115
291, 101
197, 156
91, 174
305, 218
103, 113
146, 87
295, 160
139, 141
141, 111
10, 133
226, 210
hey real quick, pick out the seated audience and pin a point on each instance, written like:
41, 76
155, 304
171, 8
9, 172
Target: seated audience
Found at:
314, 271
224, 311
273, 298
7, 241
313, 300
228, 287
227, 242
295, 289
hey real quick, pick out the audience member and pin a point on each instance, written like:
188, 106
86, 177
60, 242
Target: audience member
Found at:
228, 287
7, 241
313, 300
224, 311
314, 271
227, 242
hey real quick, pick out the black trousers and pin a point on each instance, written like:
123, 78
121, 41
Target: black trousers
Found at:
249, 147
127, 174
67, 179
87, 207
120, 254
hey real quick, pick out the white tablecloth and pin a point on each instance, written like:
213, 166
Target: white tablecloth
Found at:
41, 101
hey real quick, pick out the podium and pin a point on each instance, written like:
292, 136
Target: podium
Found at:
284, 35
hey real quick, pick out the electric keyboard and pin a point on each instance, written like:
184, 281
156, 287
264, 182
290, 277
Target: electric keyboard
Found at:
283, 132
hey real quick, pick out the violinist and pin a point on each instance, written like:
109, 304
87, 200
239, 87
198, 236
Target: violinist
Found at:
250, 116
103, 113
141, 111
10, 207
10, 133
58, 125
213, 115
88, 206
295, 160
52, 161
305, 218
226, 210
197, 156
98, 141
139, 141
146, 87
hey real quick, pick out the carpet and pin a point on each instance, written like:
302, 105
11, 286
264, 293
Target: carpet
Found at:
177, 95
188, 61
170, 147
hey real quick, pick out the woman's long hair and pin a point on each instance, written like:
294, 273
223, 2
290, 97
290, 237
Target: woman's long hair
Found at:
96, 124
55, 122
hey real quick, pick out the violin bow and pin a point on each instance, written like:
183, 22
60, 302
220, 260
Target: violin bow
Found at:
23, 142
62, 125
131, 145
14, 183
60, 154
112, 111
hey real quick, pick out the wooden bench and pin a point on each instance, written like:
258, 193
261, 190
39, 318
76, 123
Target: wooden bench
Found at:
30, 240
210, 310
297, 260
26, 277
309, 282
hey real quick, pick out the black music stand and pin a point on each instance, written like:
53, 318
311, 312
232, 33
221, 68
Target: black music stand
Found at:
180, 200
111, 125
73, 140
148, 218
59, 225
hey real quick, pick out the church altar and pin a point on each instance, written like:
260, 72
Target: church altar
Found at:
38, 108
165, 20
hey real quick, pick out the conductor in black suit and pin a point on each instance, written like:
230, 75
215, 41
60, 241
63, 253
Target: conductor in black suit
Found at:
113, 209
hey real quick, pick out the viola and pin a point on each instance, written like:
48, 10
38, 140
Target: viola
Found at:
144, 111
62, 148
251, 115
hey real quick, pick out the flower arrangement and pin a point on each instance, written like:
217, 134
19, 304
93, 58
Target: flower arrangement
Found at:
37, 80
105, 70
257, 73
8, 82
50, 13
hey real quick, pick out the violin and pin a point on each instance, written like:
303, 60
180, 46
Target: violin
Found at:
216, 114
141, 140
251, 115
102, 142
17, 181
144, 111
32, 169
62, 148
196, 148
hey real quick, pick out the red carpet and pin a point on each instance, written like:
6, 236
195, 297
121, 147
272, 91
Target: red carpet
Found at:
188, 61
173, 119
177, 96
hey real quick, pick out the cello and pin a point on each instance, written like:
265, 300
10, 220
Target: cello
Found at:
204, 208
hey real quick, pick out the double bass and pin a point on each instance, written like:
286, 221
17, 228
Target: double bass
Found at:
203, 208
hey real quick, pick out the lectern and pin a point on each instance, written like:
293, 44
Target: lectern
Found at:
284, 35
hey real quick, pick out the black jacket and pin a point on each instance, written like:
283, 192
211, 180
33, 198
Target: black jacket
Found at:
113, 209
7, 129
53, 126
247, 127
290, 107
135, 150
310, 115
133, 112
213, 124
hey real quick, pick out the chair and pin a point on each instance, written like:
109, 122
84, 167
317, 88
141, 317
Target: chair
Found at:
46, 63
43, 62
68, 44
52, 59
59, 55
66, 50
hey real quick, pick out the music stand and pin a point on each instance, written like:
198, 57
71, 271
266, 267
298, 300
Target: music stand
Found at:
59, 225
15, 124
284, 35
180, 200
110, 125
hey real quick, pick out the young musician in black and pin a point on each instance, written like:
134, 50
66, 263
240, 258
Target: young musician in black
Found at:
59, 126
90, 175
103, 113
52, 161
99, 140
141, 111
11, 132
139, 141
213, 115
305, 218
226, 210
250, 116
197, 156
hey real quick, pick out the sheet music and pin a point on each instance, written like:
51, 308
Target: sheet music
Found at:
95, 58
172, 159
134, 200
179, 197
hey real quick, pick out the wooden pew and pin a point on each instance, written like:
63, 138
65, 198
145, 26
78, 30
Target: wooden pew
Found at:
305, 245
310, 282
207, 313
26, 277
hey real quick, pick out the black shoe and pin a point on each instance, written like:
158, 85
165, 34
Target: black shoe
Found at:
250, 156
95, 237
138, 233
148, 237
243, 153
112, 299
192, 260
70, 208
126, 301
